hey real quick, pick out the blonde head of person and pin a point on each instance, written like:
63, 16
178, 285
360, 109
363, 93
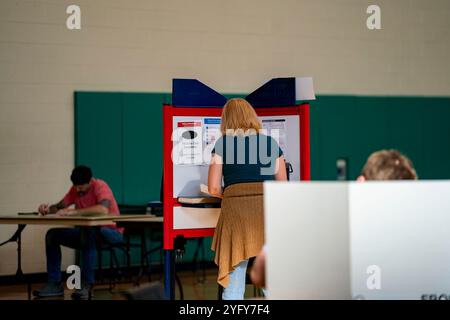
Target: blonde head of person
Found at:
239, 118
388, 165
240, 126
243, 157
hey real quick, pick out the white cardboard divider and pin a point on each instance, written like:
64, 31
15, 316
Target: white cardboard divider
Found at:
349, 240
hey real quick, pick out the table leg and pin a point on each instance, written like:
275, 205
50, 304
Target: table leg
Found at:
17, 237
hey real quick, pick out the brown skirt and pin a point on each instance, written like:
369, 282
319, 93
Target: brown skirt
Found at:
239, 233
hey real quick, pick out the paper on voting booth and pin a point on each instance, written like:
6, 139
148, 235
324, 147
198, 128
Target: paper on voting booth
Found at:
277, 129
204, 188
212, 133
189, 146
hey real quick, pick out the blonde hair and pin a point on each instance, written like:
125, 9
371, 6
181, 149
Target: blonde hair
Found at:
388, 165
238, 115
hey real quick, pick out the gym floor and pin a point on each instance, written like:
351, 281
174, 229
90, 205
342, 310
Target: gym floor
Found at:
195, 287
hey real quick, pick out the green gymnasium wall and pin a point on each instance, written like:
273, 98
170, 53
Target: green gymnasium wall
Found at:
353, 127
119, 135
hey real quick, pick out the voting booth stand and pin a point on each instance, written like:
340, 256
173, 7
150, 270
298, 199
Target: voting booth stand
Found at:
191, 125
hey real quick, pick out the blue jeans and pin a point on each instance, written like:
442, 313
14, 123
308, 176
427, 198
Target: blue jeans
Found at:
236, 285
76, 238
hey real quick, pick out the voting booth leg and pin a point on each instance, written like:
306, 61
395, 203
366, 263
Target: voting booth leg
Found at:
169, 274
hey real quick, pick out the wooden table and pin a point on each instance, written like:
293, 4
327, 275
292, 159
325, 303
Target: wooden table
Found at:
80, 221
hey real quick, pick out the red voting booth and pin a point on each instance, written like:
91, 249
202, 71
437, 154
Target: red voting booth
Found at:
197, 108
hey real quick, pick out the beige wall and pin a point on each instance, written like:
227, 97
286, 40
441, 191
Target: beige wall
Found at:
234, 46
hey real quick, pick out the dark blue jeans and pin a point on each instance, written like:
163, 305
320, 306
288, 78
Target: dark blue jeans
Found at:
85, 239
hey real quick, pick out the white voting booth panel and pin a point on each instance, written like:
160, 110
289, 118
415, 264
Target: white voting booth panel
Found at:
195, 218
401, 231
187, 177
372, 240
307, 241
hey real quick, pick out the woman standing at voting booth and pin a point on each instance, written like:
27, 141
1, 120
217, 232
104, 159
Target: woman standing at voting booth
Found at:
244, 157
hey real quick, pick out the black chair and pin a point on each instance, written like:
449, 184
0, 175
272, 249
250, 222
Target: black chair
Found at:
126, 246
104, 246
145, 251
115, 268
141, 244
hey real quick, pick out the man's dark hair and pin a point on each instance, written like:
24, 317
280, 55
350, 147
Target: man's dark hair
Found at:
81, 175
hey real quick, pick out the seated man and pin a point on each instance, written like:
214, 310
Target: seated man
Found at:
381, 165
88, 195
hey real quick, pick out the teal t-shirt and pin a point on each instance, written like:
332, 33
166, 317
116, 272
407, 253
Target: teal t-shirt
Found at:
249, 158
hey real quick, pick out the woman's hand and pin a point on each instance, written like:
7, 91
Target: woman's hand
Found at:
280, 169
